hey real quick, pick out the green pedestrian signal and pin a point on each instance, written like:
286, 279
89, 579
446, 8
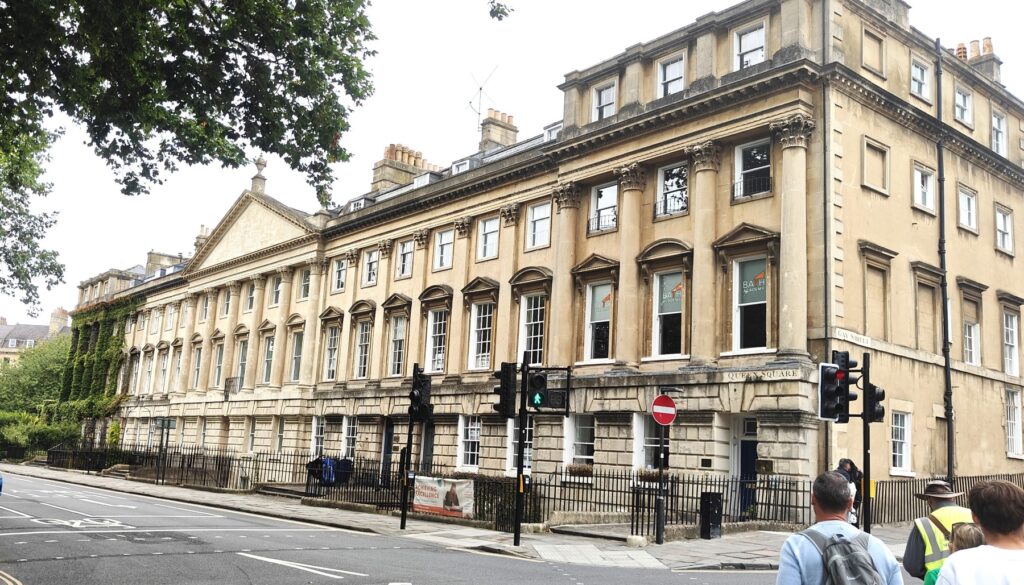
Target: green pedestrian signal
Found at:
537, 399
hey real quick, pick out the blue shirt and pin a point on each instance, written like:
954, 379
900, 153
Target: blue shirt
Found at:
800, 561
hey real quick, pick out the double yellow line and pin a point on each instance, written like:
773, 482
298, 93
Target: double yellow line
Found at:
6, 579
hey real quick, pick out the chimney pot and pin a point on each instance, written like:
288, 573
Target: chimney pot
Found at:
986, 46
975, 52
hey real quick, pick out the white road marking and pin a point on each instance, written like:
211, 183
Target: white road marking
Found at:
67, 509
106, 504
490, 554
308, 568
187, 510
145, 530
19, 514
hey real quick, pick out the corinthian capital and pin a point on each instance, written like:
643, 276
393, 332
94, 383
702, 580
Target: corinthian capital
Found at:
567, 196
793, 131
510, 213
631, 177
422, 237
352, 257
384, 247
462, 226
706, 156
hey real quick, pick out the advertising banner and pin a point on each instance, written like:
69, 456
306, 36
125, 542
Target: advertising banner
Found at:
447, 497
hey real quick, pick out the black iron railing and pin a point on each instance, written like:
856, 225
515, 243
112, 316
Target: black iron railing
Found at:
604, 220
679, 203
749, 186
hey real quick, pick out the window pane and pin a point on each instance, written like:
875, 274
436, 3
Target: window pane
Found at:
600, 302
753, 284
670, 334
753, 327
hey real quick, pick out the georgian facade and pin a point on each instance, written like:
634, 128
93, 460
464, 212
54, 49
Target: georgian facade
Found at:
717, 210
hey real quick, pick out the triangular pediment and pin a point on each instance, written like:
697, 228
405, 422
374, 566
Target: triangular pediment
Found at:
254, 223
744, 234
595, 263
266, 325
332, 314
217, 334
397, 302
481, 287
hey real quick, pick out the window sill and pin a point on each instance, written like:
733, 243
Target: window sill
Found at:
738, 199
598, 362
966, 228
368, 284
582, 479
487, 259
440, 268
919, 97
537, 247
1017, 456
964, 123
1007, 253
749, 351
403, 277
668, 216
468, 468
901, 473
594, 233
337, 291
879, 190
665, 358
299, 300
922, 209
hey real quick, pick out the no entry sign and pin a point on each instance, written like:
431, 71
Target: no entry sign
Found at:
663, 409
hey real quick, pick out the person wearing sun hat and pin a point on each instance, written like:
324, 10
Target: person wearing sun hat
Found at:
928, 544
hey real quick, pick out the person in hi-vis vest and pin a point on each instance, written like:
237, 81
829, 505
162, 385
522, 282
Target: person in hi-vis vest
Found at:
928, 545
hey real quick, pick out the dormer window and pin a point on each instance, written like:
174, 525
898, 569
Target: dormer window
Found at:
749, 46
551, 132
356, 205
421, 180
460, 167
604, 101
670, 76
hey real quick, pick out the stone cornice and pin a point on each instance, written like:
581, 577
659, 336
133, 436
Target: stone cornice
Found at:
247, 258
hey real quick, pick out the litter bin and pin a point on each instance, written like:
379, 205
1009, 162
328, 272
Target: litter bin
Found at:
710, 515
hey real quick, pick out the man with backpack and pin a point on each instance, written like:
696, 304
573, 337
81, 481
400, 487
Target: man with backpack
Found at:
832, 551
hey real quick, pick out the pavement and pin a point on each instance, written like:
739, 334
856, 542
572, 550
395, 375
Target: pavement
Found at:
593, 545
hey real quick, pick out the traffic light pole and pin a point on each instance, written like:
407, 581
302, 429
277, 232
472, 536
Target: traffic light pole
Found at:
521, 451
865, 419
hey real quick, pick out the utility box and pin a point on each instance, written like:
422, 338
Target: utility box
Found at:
710, 515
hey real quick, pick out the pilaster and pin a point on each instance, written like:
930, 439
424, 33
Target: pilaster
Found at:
566, 197
706, 158
632, 181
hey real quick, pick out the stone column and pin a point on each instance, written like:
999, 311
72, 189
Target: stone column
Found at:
506, 251
632, 180
566, 200
455, 361
307, 373
207, 358
255, 318
232, 289
281, 356
706, 158
188, 314
793, 134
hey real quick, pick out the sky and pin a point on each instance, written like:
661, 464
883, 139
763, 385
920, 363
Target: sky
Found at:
432, 59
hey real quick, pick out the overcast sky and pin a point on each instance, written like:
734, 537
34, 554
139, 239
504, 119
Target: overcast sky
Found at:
432, 57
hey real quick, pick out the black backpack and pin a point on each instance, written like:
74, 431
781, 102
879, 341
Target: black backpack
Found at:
844, 560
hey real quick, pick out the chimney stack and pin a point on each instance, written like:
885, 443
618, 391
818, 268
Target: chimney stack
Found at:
985, 61
204, 234
58, 321
961, 52
497, 130
399, 166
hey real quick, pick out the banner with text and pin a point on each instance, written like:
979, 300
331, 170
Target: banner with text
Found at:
447, 497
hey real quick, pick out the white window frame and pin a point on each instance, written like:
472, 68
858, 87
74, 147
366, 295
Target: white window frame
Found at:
924, 187
460, 167
972, 343
205, 313
162, 378
487, 238
243, 349
251, 439
512, 442
332, 335
963, 109
904, 443
197, 357
172, 312
371, 266
739, 191
226, 307
296, 361
218, 365
399, 345
525, 338
589, 323
736, 330
304, 282
437, 340
642, 422
250, 297
570, 426
925, 92
279, 446
999, 133
465, 443
737, 37
444, 247
1011, 343
275, 293
551, 132
316, 440
604, 110
1004, 229
340, 274
268, 358
404, 259
536, 235
968, 208
662, 89
481, 344
656, 320
364, 331
351, 437
1014, 448
147, 387
596, 212
662, 207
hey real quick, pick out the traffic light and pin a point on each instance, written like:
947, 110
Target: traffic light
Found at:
506, 390
873, 408
537, 386
419, 397
847, 382
828, 392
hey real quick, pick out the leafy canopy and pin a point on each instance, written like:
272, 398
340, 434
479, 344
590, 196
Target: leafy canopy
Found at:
36, 378
157, 83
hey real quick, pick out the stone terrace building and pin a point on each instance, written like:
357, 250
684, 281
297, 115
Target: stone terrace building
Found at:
717, 210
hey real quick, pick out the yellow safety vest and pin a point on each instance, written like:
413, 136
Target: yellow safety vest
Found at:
936, 547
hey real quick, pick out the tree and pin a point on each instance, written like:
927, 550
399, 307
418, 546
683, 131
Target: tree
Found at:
157, 83
36, 377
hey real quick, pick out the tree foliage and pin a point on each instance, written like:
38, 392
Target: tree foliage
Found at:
36, 377
158, 83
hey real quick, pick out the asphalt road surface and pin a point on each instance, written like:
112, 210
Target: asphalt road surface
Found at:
53, 533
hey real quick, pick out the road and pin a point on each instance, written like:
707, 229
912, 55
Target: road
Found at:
55, 533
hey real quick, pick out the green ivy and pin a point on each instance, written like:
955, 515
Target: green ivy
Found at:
92, 364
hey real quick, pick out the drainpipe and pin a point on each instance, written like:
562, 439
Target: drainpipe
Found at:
943, 283
826, 204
